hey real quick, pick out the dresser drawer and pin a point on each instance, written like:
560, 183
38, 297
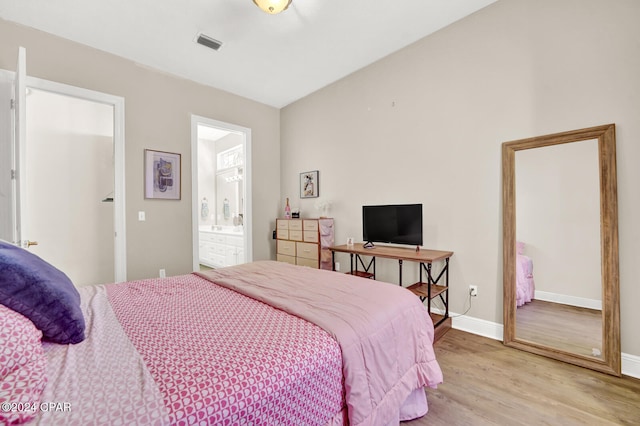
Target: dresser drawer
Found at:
286, 247
311, 236
311, 263
285, 258
282, 234
310, 225
295, 225
307, 250
295, 235
282, 224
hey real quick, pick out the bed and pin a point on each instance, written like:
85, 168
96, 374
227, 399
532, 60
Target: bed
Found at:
260, 343
525, 285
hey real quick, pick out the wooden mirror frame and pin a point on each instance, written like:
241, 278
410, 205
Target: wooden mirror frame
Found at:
610, 362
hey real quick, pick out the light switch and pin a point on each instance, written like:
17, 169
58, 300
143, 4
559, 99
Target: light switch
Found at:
141, 216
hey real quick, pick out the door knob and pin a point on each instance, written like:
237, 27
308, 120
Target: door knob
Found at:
31, 243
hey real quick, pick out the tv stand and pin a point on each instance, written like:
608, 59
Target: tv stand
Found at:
368, 245
428, 289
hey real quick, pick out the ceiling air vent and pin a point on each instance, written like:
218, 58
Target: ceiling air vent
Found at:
209, 42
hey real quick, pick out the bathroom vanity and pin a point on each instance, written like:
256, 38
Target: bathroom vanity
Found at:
221, 246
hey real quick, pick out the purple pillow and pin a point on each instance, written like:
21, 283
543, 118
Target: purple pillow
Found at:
42, 293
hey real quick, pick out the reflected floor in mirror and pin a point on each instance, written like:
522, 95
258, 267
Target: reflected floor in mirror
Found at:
568, 328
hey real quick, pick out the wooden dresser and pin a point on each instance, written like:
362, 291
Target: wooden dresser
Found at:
305, 242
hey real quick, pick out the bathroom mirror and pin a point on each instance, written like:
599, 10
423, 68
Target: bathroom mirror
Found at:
560, 247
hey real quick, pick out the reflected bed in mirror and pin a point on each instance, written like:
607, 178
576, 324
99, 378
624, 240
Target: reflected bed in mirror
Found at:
561, 296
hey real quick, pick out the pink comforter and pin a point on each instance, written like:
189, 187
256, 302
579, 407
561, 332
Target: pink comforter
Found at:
525, 286
383, 330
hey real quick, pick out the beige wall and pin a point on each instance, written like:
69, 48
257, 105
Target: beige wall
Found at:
426, 125
158, 110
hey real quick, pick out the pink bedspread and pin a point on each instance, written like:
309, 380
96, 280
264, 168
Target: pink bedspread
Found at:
221, 358
384, 332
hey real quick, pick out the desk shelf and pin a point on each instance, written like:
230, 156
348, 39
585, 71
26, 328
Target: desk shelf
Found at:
362, 274
422, 290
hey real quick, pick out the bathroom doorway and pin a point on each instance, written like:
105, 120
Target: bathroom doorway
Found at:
221, 194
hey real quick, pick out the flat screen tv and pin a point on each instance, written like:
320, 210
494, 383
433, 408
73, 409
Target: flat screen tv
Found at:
396, 224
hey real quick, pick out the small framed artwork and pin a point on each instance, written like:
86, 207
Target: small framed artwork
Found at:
162, 175
309, 184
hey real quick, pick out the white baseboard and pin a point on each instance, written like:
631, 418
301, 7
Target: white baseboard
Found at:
478, 326
569, 300
631, 365
492, 330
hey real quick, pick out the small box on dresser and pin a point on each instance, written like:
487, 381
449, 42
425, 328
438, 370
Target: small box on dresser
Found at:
305, 242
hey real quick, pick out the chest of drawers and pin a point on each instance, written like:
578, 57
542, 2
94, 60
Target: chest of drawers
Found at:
305, 242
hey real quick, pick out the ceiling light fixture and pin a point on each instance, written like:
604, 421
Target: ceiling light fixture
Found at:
272, 6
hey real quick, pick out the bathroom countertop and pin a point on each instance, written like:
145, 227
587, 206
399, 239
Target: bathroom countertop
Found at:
226, 230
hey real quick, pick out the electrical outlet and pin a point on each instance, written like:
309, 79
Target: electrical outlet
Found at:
473, 290
163, 273
337, 266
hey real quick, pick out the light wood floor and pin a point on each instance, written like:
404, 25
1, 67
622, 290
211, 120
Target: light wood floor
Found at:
486, 383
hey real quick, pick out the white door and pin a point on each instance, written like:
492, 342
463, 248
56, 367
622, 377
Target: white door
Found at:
20, 229
16, 198
7, 204
12, 152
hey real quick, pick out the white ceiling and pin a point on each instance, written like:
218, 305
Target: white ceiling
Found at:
273, 59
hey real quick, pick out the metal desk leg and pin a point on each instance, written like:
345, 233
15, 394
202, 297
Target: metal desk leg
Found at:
446, 296
351, 259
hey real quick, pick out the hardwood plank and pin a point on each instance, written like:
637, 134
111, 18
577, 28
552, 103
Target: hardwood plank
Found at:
487, 383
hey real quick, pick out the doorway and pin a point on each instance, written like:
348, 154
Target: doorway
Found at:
70, 185
221, 164
61, 163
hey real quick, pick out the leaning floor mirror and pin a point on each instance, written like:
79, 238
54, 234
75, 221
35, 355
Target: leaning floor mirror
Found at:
560, 247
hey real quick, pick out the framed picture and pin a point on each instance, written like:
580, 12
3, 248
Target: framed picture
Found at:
309, 184
162, 175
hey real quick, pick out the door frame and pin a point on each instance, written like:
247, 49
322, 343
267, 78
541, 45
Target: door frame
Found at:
247, 218
117, 102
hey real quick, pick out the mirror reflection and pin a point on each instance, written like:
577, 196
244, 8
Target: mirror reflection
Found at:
558, 271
